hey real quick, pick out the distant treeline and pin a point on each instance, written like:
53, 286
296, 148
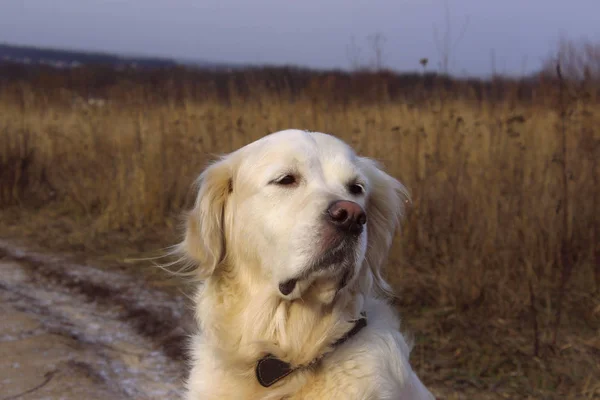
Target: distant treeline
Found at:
177, 83
68, 58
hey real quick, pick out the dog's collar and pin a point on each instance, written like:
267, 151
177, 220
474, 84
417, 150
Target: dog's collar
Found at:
271, 369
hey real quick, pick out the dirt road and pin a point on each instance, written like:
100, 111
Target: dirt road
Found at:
71, 331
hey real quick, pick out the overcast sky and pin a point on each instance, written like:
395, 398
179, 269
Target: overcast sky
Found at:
312, 33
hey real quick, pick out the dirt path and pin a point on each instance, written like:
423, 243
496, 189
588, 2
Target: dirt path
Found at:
72, 331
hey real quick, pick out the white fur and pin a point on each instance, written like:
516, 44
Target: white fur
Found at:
247, 234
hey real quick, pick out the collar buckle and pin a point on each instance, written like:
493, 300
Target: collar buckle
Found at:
270, 369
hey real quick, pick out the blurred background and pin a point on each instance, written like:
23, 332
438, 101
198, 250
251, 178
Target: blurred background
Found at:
489, 113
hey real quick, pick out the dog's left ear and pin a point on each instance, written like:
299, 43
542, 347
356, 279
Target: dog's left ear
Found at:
385, 209
204, 242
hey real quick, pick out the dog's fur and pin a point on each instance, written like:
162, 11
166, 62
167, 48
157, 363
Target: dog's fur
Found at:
250, 231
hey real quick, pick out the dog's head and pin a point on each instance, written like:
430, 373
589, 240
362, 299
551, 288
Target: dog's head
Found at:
292, 210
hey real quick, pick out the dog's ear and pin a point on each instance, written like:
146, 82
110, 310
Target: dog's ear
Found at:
204, 242
385, 209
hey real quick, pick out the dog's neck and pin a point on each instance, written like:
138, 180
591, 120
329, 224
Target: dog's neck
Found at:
243, 320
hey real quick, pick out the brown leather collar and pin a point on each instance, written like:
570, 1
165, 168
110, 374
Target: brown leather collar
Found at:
270, 369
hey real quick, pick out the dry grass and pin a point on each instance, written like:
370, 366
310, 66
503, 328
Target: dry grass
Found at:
478, 266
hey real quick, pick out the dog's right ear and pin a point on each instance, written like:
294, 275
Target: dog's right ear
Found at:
385, 210
204, 242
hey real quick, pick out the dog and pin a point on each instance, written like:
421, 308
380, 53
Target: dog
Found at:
288, 235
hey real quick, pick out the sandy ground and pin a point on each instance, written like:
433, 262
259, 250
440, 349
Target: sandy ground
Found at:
76, 332
69, 330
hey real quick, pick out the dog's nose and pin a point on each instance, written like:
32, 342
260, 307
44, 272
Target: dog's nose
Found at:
347, 216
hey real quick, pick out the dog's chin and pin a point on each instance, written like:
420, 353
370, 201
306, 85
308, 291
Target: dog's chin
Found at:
324, 280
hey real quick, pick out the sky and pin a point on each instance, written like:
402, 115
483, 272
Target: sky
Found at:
508, 36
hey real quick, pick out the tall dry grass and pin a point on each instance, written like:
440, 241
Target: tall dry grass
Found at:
499, 183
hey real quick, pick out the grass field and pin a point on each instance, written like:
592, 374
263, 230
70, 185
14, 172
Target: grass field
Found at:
497, 269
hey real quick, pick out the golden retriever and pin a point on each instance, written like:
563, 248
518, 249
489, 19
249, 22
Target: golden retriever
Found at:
289, 234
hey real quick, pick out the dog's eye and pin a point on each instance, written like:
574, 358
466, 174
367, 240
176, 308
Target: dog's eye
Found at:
356, 188
286, 180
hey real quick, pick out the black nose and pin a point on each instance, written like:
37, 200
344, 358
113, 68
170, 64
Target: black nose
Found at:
347, 216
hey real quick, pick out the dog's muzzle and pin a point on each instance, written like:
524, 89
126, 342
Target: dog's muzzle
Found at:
346, 220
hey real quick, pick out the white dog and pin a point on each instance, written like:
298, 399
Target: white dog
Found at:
289, 234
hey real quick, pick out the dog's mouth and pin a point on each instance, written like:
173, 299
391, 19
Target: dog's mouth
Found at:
337, 262
288, 286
